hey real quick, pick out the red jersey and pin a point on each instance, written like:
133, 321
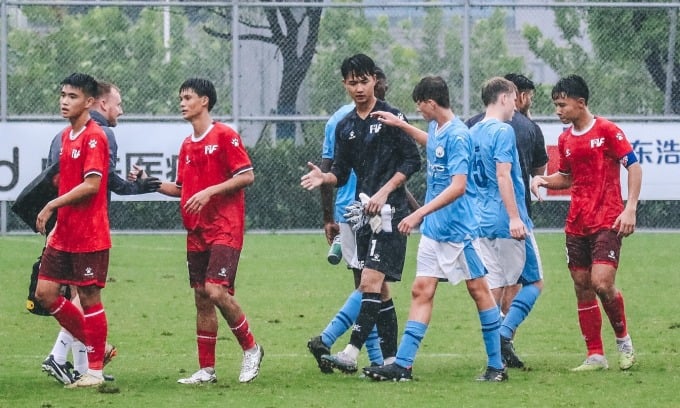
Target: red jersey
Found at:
207, 160
83, 227
592, 158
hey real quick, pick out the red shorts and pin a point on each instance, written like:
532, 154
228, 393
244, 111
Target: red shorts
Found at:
79, 269
217, 265
602, 247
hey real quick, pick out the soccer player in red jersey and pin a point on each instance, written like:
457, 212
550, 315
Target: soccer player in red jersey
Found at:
77, 250
212, 172
592, 151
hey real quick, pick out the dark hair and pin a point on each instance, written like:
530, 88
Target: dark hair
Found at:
432, 87
358, 65
202, 87
521, 82
84, 82
495, 87
379, 73
572, 86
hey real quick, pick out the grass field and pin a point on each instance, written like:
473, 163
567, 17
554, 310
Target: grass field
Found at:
289, 292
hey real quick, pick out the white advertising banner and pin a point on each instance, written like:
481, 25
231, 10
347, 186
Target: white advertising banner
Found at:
24, 148
657, 147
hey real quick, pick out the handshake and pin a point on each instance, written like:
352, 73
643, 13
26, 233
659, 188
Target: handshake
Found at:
356, 216
147, 184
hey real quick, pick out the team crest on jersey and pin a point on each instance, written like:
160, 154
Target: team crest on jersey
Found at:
92, 143
75, 153
439, 152
375, 128
210, 149
234, 141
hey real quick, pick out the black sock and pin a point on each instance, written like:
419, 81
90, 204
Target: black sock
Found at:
368, 315
388, 328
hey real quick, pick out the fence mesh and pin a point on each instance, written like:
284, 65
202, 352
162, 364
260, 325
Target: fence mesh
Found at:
276, 68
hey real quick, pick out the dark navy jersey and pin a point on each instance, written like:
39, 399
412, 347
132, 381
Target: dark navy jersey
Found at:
375, 152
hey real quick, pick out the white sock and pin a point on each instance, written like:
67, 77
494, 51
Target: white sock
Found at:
80, 361
62, 346
351, 351
96, 373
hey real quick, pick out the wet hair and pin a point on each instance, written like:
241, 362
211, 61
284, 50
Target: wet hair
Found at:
84, 82
202, 87
358, 65
522, 83
380, 74
572, 86
494, 87
432, 87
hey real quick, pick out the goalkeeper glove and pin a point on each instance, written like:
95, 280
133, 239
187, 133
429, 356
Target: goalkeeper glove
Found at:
148, 184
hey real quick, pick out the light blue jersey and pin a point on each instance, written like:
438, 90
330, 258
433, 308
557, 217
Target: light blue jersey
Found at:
345, 194
494, 142
449, 153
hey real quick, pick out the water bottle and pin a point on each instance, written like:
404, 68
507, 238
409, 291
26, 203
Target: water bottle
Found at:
335, 251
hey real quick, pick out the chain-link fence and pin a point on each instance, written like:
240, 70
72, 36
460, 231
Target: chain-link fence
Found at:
276, 68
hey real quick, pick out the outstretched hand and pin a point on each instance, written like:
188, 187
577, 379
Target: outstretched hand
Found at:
537, 182
313, 179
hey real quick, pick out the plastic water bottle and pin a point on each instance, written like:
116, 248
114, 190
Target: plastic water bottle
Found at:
335, 251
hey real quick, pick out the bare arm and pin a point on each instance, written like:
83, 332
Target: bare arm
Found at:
89, 187
240, 181
316, 178
517, 228
446, 197
555, 181
625, 222
388, 118
331, 229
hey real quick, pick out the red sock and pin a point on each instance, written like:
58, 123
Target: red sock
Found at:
590, 320
617, 315
96, 329
69, 317
206, 348
242, 332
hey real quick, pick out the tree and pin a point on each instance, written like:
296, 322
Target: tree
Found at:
294, 32
107, 44
612, 67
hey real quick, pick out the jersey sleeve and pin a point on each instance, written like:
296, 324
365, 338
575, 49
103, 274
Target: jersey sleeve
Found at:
564, 164
238, 159
504, 145
97, 158
617, 142
540, 155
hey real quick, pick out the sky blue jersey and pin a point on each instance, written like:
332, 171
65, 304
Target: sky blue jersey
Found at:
345, 194
494, 142
449, 153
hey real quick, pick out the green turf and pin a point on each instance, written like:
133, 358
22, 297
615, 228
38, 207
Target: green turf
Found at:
289, 292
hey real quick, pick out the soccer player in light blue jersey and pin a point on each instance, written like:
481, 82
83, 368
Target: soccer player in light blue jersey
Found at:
508, 247
449, 246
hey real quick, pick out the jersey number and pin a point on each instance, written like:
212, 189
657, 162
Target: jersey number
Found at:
478, 174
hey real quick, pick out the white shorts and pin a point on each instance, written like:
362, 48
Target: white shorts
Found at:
510, 261
452, 261
348, 244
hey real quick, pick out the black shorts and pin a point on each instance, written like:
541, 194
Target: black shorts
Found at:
602, 247
385, 252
